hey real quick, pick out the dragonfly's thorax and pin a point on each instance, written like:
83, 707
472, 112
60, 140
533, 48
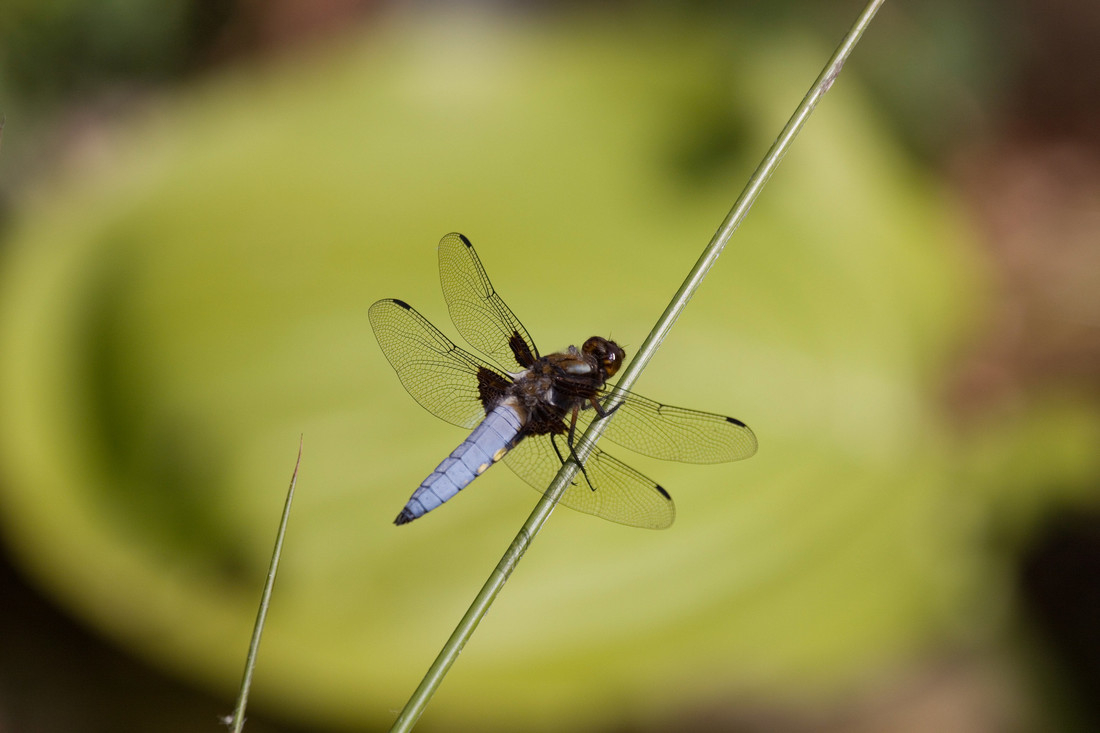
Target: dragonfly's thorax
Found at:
557, 384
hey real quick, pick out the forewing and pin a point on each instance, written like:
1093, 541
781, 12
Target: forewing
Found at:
621, 494
677, 433
448, 382
479, 314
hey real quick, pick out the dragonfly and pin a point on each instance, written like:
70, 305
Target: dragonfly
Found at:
527, 409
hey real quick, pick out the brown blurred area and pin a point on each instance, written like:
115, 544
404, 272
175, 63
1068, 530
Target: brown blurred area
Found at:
1014, 131
256, 29
1032, 186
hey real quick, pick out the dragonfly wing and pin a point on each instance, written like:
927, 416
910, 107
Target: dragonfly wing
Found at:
677, 433
479, 314
448, 382
620, 493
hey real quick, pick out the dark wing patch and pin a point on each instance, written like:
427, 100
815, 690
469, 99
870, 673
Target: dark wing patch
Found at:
490, 387
521, 350
479, 314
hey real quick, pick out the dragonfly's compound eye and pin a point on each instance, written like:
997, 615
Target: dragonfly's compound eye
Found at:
614, 360
607, 353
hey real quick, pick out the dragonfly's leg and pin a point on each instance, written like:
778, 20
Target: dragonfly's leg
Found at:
572, 444
554, 442
599, 408
561, 458
573, 457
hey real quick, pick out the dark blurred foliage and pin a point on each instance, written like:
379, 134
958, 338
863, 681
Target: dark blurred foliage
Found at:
69, 66
946, 73
1059, 578
56, 51
54, 673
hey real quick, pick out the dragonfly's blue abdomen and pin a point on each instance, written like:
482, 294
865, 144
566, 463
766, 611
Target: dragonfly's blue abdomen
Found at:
486, 445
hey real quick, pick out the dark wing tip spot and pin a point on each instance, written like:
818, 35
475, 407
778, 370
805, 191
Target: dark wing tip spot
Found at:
735, 421
464, 240
403, 304
404, 517
663, 492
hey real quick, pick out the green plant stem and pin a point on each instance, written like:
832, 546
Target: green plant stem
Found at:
236, 722
447, 656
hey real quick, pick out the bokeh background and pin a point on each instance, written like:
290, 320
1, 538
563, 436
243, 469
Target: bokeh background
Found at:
199, 200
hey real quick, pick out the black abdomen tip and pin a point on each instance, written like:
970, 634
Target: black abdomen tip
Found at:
404, 517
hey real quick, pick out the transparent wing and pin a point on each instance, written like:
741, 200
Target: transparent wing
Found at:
448, 382
621, 494
675, 433
479, 314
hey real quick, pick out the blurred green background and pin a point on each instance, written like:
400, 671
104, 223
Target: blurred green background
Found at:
199, 201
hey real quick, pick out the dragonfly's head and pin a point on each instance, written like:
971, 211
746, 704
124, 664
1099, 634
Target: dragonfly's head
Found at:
608, 354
